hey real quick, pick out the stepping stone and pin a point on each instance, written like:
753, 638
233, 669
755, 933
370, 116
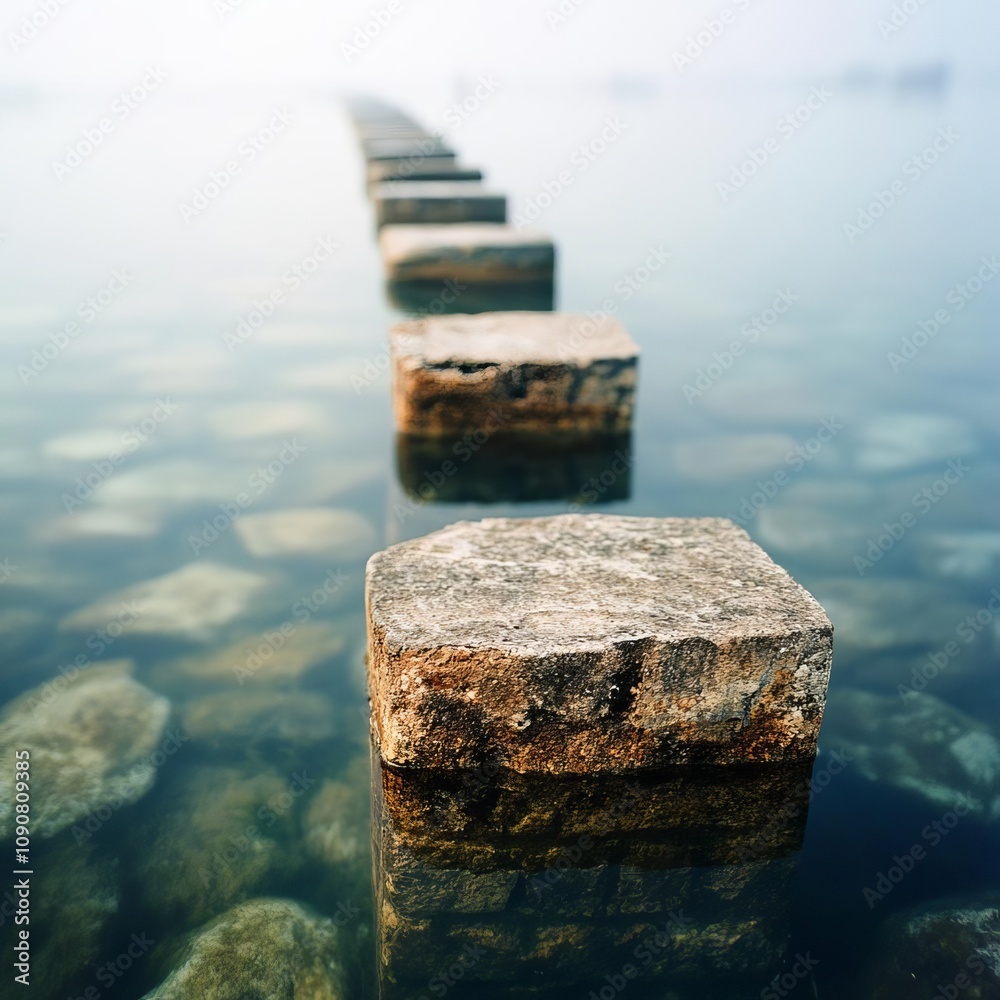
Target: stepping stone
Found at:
592, 644
393, 170
437, 202
467, 252
402, 149
512, 371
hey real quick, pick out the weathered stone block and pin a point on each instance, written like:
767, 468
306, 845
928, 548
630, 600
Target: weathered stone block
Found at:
592, 643
406, 148
437, 202
512, 372
467, 252
378, 171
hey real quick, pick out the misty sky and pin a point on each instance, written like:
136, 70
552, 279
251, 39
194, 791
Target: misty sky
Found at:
210, 42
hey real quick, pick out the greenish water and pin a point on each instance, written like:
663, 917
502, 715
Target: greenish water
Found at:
859, 448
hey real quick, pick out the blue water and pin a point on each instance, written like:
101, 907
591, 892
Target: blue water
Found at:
827, 429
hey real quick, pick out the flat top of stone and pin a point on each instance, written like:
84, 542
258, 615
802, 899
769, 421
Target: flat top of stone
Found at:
400, 240
433, 189
512, 337
581, 582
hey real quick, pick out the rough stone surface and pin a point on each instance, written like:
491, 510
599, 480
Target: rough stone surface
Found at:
467, 252
954, 943
592, 643
437, 202
517, 370
192, 603
266, 948
90, 745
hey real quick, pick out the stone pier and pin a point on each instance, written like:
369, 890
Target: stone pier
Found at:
512, 371
423, 201
466, 252
590, 643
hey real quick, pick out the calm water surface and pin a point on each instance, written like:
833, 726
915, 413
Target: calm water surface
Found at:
158, 461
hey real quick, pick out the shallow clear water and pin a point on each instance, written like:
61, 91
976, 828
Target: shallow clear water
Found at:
297, 414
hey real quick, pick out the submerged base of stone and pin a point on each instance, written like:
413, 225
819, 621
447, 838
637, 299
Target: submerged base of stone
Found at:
571, 879
466, 252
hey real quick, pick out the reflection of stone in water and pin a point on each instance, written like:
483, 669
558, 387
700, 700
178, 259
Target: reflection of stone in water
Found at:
506, 468
571, 879
448, 297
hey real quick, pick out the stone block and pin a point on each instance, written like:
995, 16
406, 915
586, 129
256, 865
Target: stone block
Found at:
590, 643
467, 252
512, 371
379, 171
437, 202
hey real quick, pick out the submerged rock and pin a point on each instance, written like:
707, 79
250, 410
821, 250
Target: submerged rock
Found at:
337, 824
320, 532
271, 949
192, 602
950, 948
72, 905
274, 656
91, 742
893, 442
250, 719
166, 486
923, 746
214, 838
725, 458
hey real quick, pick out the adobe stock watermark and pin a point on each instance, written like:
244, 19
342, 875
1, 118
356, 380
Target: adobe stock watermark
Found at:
932, 835
562, 12
463, 449
131, 440
958, 298
246, 841
624, 288
922, 502
644, 953
121, 109
785, 982
34, 23
377, 365
968, 630
751, 331
913, 169
787, 127
111, 971
88, 310
291, 281
124, 794
900, 17
246, 152
257, 483
7, 569
696, 45
579, 161
368, 30
795, 461
594, 488
98, 642
259, 655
